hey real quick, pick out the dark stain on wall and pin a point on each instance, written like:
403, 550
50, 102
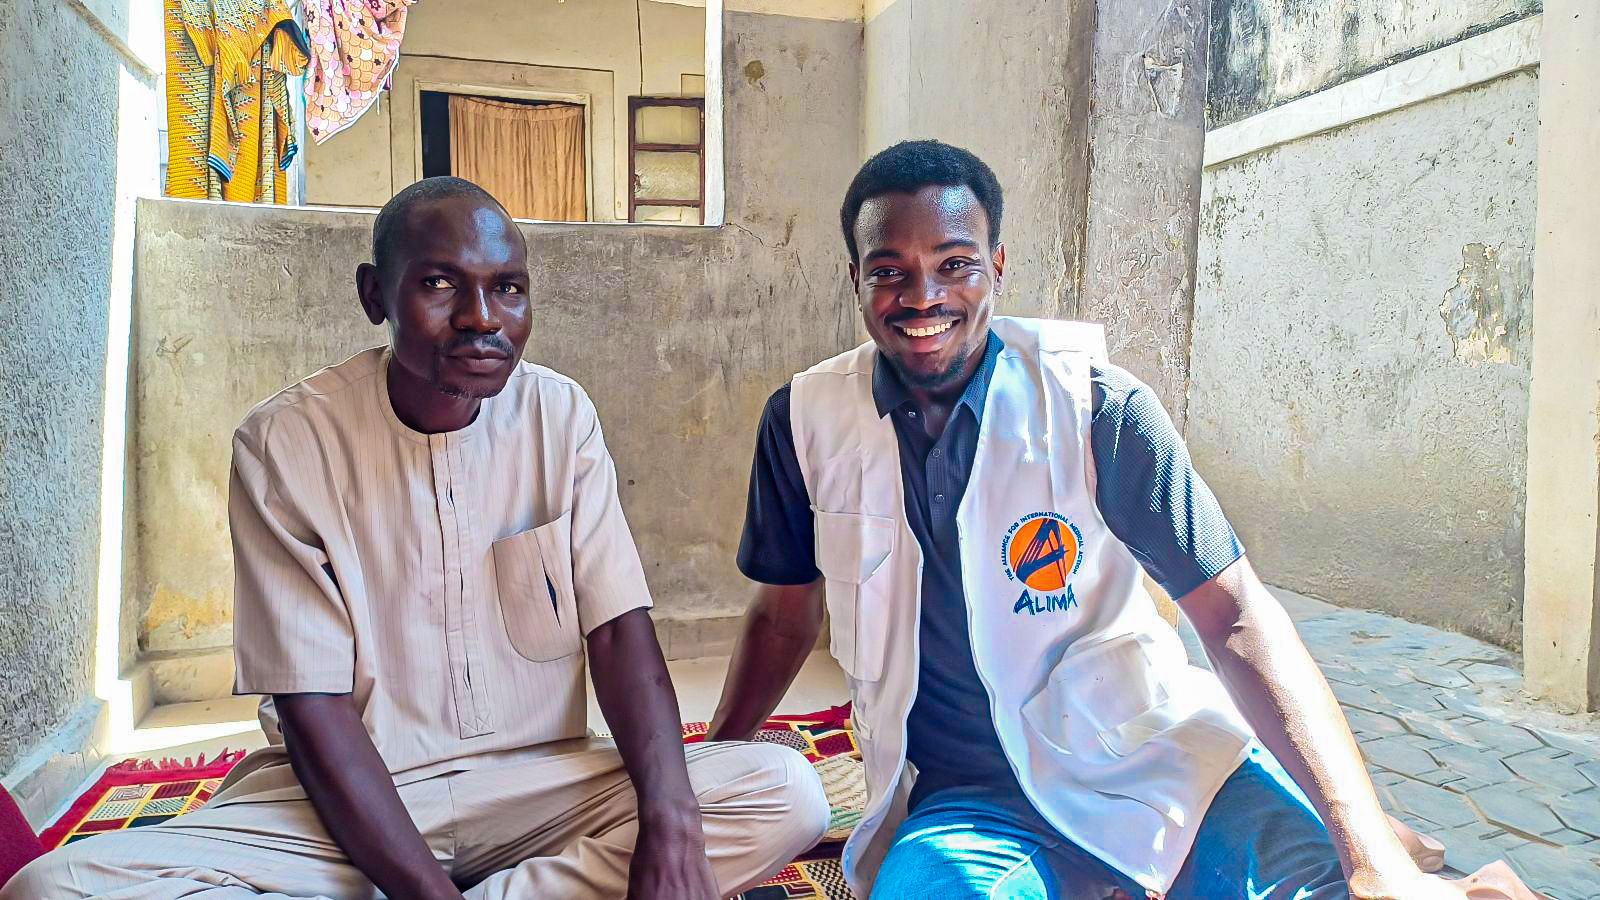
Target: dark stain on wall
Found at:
1264, 53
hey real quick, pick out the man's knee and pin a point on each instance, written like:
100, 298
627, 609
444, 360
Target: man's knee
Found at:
772, 781
798, 791
808, 801
49, 876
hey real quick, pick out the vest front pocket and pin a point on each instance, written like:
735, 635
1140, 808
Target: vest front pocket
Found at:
533, 574
1127, 730
853, 552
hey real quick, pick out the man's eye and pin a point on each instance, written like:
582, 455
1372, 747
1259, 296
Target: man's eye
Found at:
958, 264
885, 273
507, 287
437, 282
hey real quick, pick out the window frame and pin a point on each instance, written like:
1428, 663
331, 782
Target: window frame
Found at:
637, 103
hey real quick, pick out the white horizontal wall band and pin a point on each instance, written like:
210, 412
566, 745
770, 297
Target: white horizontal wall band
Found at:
1465, 63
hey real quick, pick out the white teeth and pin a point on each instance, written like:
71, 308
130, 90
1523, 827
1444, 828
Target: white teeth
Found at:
930, 331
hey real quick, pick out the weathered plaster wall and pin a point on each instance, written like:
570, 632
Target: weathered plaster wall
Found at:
1267, 52
1362, 330
77, 142
1146, 145
679, 334
1007, 79
57, 183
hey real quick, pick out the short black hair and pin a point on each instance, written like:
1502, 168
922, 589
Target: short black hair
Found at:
391, 219
910, 166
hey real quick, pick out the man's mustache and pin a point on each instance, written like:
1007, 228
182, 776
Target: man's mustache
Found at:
932, 312
482, 343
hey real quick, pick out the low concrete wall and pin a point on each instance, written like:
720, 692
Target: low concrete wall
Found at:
1360, 362
679, 334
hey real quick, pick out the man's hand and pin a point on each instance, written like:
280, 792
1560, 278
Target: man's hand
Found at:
669, 863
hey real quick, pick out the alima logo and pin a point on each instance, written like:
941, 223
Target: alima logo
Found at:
1043, 551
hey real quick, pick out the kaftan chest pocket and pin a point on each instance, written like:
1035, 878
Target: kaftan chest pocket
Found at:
533, 574
855, 553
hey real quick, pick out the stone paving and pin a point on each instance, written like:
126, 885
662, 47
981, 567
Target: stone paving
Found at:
1459, 752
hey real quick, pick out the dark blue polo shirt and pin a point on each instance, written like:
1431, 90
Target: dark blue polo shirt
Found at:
1147, 490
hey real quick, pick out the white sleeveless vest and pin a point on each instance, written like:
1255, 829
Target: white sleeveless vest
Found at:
1115, 739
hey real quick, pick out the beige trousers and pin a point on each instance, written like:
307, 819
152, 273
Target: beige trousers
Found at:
554, 827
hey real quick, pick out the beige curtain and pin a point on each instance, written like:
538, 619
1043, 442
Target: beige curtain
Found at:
529, 157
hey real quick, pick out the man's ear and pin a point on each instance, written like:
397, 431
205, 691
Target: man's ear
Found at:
999, 258
855, 277
370, 288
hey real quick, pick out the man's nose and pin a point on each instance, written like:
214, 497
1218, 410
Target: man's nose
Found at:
923, 292
476, 312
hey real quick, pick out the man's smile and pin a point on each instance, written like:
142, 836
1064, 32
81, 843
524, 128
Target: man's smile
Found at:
921, 335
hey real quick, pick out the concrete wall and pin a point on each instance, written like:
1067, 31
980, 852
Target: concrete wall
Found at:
1267, 52
1008, 80
593, 47
74, 137
1360, 359
236, 302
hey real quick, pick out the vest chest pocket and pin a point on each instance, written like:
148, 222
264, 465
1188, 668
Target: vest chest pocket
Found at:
533, 574
853, 552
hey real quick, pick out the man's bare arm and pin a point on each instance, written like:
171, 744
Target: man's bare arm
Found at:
779, 632
1281, 692
635, 693
354, 795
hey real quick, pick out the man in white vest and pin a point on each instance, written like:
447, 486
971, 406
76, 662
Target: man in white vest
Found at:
974, 501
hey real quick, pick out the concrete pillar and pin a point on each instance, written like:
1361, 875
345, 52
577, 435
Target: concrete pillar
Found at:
1561, 612
1146, 150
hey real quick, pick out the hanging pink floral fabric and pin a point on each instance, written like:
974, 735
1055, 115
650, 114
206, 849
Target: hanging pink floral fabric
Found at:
354, 47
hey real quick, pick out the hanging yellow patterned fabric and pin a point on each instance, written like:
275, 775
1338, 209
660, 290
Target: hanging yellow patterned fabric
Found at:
230, 123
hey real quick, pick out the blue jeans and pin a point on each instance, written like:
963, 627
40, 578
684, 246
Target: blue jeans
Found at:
1260, 840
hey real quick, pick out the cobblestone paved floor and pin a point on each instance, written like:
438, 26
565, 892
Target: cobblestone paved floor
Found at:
1459, 752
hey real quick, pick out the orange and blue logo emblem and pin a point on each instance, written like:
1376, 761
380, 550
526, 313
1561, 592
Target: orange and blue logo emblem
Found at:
1042, 551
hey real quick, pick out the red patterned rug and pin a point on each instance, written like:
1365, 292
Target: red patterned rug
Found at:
141, 792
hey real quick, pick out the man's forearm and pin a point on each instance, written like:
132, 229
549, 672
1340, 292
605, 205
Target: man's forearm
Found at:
1281, 692
351, 789
635, 694
780, 631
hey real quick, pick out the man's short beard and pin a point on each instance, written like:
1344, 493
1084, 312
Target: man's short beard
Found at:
463, 393
459, 392
937, 380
